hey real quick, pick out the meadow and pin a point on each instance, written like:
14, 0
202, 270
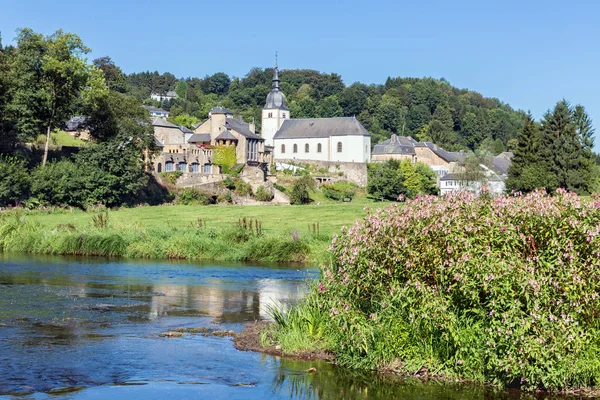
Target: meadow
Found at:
257, 233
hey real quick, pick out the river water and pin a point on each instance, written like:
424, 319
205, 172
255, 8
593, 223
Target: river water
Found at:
90, 329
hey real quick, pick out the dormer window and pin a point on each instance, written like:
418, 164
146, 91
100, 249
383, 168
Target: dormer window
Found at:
283, 115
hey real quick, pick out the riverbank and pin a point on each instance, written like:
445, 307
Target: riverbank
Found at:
258, 233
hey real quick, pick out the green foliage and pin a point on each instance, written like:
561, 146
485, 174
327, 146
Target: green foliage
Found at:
556, 154
340, 191
391, 179
229, 183
99, 174
225, 157
500, 290
263, 194
277, 186
193, 196
14, 181
171, 176
242, 188
299, 194
186, 120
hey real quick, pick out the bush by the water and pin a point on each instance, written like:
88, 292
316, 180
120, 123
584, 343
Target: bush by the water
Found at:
300, 190
503, 290
193, 196
340, 191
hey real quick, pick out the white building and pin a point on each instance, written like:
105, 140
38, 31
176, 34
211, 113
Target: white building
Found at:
160, 97
453, 182
315, 139
157, 112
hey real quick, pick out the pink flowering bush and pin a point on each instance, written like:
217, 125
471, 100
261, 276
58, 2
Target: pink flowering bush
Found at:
503, 290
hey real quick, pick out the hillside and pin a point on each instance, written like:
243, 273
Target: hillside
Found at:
425, 108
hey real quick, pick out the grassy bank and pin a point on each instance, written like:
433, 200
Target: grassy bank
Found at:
258, 233
502, 291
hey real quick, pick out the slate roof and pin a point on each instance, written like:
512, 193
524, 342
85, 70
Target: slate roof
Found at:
396, 145
320, 128
242, 128
226, 135
158, 143
501, 163
155, 109
199, 137
450, 177
185, 130
172, 93
448, 156
220, 110
156, 121
76, 123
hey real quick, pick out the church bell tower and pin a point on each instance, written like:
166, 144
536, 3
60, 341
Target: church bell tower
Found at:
275, 110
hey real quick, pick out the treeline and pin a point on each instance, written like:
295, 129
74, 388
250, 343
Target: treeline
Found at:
556, 152
427, 109
44, 81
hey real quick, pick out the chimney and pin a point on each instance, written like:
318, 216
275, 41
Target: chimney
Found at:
241, 118
394, 137
252, 127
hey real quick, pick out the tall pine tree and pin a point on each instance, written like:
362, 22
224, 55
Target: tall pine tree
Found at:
563, 151
527, 172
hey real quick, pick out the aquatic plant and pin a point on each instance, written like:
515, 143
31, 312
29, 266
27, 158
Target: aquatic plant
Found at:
503, 290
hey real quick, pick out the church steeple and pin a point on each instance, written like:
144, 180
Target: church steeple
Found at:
275, 98
275, 84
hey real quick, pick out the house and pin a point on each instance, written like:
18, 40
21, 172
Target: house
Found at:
456, 181
407, 148
322, 140
170, 95
77, 127
192, 151
156, 112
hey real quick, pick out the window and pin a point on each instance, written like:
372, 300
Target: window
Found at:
207, 169
283, 149
194, 167
159, 168
306, 148
283, 115
339, 147
169, 166
181, 166
295, 148
270, 115
319, 148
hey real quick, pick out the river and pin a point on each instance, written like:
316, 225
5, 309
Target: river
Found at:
73, 328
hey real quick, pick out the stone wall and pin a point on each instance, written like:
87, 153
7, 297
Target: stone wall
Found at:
353, 172
192, 180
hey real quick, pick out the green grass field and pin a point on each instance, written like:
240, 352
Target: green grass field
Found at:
287, 233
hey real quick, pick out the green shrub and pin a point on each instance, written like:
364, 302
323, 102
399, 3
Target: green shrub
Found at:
503, 290
242, 188
193, 196
171, 177
229, 183
264, 194
300, 190
277, 186
14, 181
340, 191
224, 197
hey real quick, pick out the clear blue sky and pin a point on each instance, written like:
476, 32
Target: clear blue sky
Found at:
527, 53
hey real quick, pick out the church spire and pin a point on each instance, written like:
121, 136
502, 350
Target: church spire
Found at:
275, 85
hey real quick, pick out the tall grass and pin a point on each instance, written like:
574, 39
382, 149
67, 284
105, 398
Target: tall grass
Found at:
230, 242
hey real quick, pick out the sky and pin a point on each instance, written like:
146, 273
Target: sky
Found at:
528, 53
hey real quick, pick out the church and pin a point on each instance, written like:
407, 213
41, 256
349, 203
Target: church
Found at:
335, 140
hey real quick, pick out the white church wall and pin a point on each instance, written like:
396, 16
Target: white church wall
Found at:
354, 149
301, 154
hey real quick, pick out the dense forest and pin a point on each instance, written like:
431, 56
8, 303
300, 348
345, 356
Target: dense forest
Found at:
427, 109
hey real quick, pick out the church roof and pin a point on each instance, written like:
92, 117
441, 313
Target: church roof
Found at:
242, 128
320, 127
276, 98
